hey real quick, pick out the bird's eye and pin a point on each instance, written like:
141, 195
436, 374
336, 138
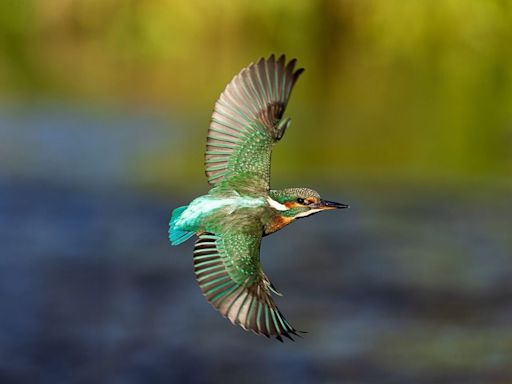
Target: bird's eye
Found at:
300, 200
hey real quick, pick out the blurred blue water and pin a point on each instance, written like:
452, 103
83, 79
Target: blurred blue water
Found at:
80, 145
394, 290
411, 285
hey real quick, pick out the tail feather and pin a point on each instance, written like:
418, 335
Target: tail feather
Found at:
176, 235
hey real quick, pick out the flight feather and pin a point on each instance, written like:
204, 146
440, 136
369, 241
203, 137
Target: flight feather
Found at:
247, 121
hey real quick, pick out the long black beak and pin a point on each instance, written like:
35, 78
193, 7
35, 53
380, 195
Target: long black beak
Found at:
325, 204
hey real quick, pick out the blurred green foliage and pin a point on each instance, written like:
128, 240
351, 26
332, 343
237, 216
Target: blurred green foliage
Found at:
393, 89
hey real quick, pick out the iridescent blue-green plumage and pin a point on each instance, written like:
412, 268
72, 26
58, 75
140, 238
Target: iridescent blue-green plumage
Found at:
240, 209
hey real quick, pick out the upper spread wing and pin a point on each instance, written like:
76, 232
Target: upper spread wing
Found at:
228, 270
246, 121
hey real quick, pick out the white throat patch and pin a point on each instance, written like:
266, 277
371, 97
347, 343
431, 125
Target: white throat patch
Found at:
307, 213
276, 205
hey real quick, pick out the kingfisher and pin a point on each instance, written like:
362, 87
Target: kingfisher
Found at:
240, 208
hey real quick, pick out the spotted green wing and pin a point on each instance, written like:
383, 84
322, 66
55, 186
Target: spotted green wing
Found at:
246, 121
228, 270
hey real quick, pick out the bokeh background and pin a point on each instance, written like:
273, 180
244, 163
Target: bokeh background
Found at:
404, 111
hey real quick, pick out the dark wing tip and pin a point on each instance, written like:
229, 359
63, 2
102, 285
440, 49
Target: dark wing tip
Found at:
287, 334
291, 65
300, 333
281, 59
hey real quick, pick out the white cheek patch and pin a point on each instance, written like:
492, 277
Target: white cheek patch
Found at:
307, 213
276, 205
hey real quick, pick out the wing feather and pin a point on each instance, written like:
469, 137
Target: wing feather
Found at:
245, 121
229, 274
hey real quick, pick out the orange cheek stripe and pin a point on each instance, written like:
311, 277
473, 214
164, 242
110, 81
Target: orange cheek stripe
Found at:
294, 204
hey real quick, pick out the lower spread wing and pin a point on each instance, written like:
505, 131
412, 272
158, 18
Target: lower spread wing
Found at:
228, 270
247, 120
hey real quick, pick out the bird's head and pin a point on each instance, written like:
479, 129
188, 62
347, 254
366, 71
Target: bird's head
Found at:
300, 202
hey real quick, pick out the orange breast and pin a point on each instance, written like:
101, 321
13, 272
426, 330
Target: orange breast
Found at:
277, 223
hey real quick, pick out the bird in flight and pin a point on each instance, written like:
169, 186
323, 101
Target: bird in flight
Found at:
240, 208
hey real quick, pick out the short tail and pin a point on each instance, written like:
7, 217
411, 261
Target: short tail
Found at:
176, 235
